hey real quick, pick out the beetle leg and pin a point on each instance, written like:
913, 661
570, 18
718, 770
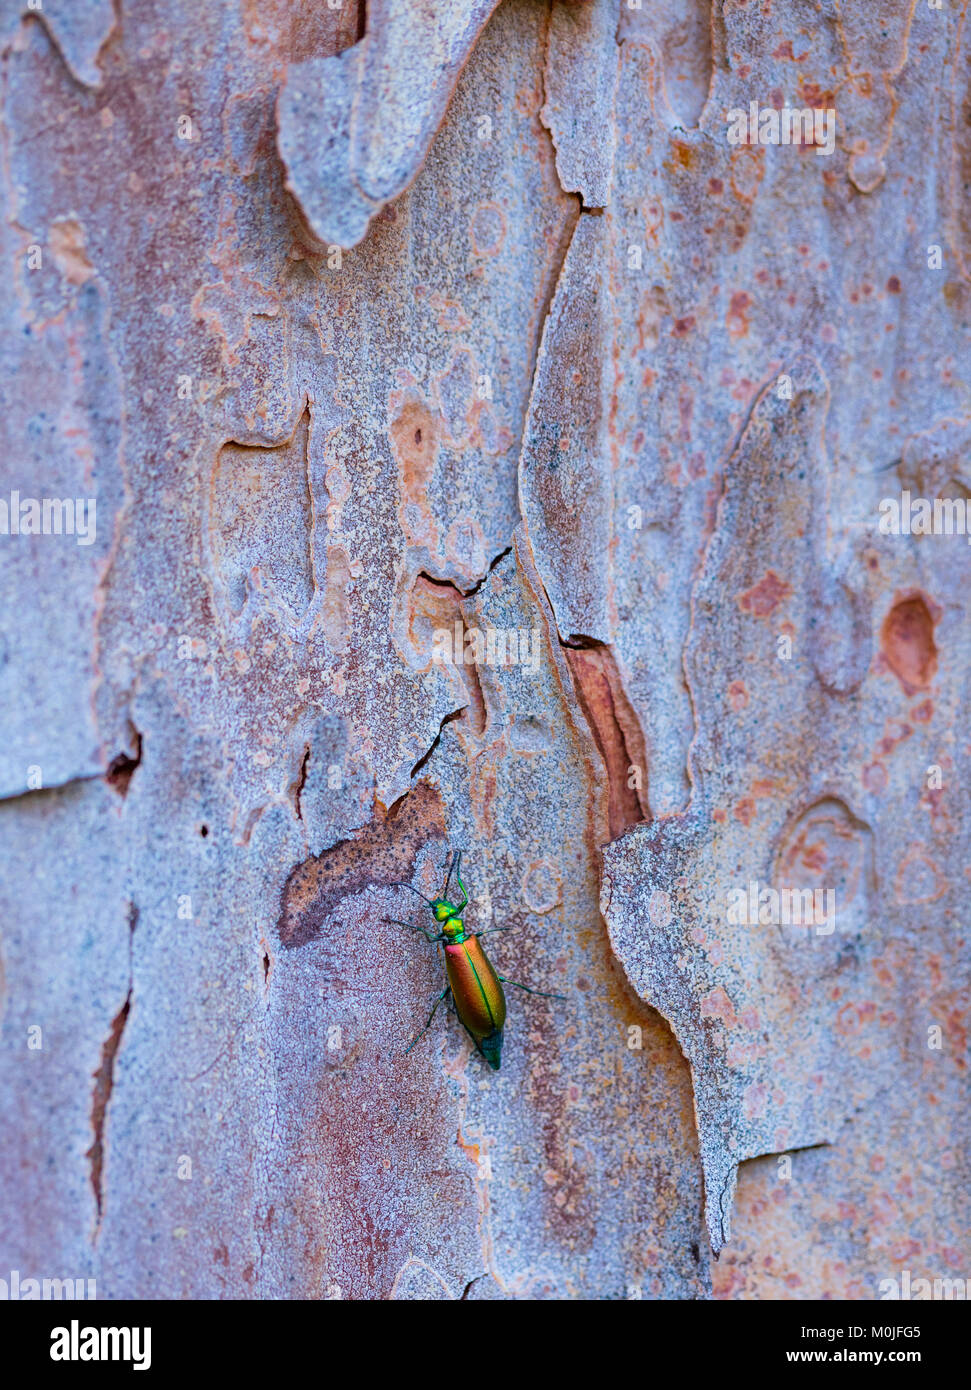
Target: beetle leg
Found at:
491, 930
543, 993
424, 1030
411, 926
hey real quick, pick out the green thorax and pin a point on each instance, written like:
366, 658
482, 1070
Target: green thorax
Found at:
453, 928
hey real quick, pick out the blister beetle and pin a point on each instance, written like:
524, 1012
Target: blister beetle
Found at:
474, 985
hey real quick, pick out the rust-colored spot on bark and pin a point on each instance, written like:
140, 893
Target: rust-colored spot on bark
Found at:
738, 696
382, 853
683, 154
736, 320
487, 230
415, 435
66, 242
764, 597
336, 607
907, 643
895, 732
918, 878
617, 733
717, 1004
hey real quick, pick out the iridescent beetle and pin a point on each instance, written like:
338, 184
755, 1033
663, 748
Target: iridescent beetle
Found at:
474, 985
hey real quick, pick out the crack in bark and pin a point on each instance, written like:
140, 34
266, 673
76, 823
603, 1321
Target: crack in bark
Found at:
122, 767
466, 593
104, 1079
117, 774
298, 786
463, 1298
448, 719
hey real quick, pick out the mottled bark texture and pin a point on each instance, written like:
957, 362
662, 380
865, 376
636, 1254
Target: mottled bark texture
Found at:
368, 324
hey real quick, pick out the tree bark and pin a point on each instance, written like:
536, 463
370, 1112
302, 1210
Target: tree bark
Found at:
473, 441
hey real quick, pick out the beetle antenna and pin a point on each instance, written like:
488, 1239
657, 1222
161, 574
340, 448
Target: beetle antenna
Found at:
450, 865
399, 884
